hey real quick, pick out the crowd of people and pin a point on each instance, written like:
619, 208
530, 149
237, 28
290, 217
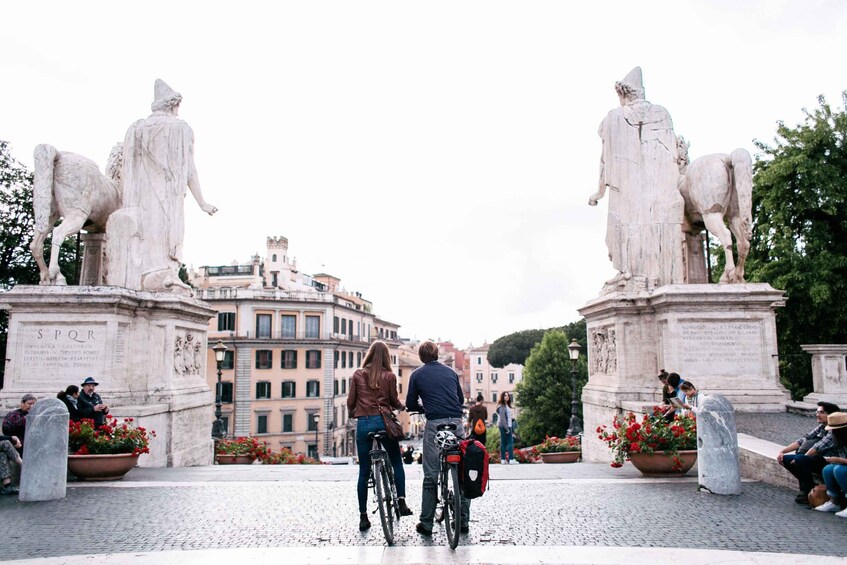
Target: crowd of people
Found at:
81, 403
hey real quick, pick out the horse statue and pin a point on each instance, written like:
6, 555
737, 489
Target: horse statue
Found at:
718, 188
71, 187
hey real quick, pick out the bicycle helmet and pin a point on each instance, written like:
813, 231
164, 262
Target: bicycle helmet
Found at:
445, 439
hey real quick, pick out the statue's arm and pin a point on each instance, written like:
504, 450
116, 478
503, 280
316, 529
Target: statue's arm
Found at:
601, 187
194, 184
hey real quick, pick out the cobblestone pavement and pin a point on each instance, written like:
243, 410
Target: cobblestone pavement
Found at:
527, 505
778, 427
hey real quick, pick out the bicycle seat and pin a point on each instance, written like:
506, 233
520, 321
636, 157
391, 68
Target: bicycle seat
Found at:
380, 435
450, 427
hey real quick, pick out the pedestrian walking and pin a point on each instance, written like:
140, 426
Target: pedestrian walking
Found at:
504, 425
477, 419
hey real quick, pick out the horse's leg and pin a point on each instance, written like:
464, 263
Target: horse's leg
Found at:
738, 227
36, 247
714, 223
71, 224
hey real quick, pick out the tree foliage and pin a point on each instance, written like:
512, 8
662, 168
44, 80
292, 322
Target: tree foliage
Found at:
544, 393
516, 347
800, 234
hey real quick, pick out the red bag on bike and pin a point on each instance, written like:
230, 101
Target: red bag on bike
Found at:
473, 470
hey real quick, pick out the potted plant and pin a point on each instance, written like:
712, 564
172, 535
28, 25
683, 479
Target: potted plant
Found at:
239, 451
107, 452
559, 450
286, 457
654, 445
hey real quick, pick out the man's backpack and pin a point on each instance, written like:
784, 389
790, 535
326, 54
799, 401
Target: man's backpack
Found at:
479, 427
473, 470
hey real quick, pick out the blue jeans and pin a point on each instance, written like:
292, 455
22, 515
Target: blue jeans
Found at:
835, 477
364, 426
507, 445
431, 469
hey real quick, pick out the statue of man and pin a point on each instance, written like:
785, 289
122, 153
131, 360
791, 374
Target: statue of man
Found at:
145, 236
639, 165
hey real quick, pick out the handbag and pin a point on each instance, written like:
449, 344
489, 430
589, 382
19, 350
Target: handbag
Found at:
393, 429
818, 496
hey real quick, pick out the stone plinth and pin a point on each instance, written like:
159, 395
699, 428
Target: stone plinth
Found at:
718, 470
44, 475
829, 373
721, 337
147, 351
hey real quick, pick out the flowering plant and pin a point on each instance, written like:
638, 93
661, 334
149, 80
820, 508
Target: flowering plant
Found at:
558, 445
527, 455
111, 438
651, 434
243, 446
286, 457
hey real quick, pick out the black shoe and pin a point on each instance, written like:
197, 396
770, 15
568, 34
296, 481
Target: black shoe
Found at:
404, 510
364, 523
8, 489
422, 530
465, 529
802, 498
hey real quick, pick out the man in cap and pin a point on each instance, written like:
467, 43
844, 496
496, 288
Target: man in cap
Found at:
795, 456
638, 164
145, 237
90, 404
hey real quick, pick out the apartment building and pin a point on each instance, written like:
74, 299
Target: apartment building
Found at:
294, 341
488, 380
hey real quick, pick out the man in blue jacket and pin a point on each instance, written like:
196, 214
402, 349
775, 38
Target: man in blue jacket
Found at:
434, 389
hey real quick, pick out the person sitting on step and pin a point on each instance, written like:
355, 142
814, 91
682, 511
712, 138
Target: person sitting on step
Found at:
790, 452
8, 454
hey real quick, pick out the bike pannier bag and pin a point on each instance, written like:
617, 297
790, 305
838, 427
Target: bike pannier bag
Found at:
473, 470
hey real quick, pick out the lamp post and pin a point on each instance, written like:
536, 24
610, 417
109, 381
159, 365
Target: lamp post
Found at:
317, 418
576, 426
218, 431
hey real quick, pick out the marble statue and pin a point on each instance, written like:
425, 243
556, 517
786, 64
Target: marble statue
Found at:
144, 238
718, 188
71, 187
638, 166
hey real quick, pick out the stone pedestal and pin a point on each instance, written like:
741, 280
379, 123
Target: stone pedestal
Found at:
829, 373
93, 270
720, 337
718, 469
45, 471
147, 351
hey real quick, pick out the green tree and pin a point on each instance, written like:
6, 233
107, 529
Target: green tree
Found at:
800, 234
516, 347
544, 393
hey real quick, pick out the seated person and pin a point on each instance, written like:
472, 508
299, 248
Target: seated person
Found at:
806, 465
14, 424
8, 453
801, 446
835, 472
692, 396
667, 391
674, 382
70, 396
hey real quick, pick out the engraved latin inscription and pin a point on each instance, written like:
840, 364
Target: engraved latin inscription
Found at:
61, 348
726, 348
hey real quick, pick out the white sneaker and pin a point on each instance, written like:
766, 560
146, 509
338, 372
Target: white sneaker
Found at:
828, 506
842, 514
502, 461
514, 462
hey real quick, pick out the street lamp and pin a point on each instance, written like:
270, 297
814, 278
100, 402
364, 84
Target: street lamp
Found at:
218, 431
575, 427
317, 418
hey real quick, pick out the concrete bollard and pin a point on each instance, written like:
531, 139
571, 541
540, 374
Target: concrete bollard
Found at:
718, 470
44, 475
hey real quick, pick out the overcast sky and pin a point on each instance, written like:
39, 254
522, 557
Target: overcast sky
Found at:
436, 156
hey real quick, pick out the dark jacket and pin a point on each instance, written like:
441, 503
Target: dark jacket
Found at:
85, 406
14, 424
436, 386
73, 411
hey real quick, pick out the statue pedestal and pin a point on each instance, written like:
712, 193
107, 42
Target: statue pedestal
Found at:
720, 337
147, 351
829, 374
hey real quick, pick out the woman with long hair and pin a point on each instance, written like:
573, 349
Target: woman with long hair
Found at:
69, 397
372, 386
504, 424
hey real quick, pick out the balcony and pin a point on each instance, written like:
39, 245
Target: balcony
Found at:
301, 336
228, 293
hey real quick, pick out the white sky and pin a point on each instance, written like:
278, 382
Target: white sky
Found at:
436, 156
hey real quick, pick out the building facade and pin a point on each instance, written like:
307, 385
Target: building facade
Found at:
294, 341
490, 381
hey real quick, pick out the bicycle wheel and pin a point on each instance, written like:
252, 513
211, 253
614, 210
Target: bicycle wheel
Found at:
383, 501
395, 500
442, 496
453, 508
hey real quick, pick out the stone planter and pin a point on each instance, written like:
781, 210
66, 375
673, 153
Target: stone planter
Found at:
234, 459
561, 457
101, 467
661, 465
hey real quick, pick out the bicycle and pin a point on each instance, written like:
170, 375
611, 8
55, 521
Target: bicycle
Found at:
385, 488
449, 503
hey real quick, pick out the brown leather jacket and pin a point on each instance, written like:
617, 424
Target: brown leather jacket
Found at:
362, 400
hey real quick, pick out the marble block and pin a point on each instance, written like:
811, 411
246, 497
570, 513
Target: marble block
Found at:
718, 470
829, 373
45, 468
